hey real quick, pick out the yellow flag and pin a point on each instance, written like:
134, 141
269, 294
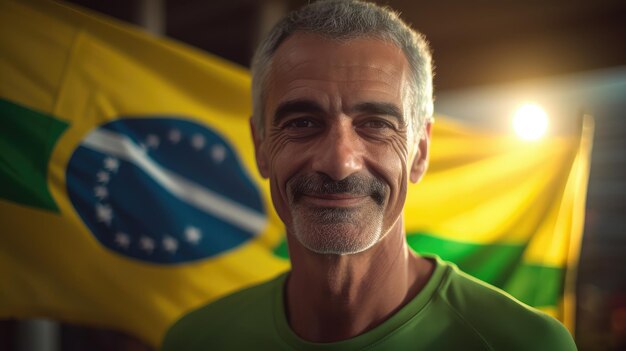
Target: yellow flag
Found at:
507, 211
129, 193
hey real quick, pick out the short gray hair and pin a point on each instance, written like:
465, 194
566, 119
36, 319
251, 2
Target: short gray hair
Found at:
346, 19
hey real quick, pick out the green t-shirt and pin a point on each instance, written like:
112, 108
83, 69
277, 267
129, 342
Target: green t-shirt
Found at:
453, 312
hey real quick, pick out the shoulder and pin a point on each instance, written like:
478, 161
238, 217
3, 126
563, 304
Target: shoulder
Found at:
499, 319
224, 318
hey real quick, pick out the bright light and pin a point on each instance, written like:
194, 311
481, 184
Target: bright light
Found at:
530, 122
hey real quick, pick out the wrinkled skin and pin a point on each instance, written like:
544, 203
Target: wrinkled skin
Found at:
339, 152
329, 123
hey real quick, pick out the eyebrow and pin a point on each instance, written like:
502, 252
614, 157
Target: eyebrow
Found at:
380, 108
296, 106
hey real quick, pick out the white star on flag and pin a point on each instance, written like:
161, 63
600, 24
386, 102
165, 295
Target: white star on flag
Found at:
197, 141
170, 244
174, 136
152, 141
104, 213
101, 192
218, 153
103, 177
193, 235
111, 164
146, 244
122, 240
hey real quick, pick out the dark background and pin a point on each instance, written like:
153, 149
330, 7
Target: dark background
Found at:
476, 44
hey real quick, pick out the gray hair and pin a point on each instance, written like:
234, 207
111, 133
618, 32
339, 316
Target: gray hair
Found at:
347, 19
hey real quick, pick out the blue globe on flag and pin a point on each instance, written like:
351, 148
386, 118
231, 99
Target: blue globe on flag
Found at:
163, 190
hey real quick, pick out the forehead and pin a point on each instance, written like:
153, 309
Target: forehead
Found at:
312, 64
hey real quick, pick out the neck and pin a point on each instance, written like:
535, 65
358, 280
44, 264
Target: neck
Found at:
336, 297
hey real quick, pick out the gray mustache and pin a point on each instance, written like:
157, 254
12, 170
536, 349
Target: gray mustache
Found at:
321, 184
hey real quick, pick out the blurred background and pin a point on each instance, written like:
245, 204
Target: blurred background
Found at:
491, 57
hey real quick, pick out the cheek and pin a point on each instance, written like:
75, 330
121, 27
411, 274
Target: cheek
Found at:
392, 161
281, 169
285, 160
285, 157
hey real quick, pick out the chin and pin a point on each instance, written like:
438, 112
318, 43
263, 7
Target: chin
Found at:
337, 237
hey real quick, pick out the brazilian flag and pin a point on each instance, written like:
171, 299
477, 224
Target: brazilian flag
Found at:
129, 194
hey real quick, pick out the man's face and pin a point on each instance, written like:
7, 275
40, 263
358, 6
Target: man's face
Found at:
338, 147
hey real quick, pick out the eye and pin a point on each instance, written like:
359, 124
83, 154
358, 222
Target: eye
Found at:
301, 123
377, 124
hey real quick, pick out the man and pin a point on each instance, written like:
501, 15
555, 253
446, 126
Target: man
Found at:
342, 95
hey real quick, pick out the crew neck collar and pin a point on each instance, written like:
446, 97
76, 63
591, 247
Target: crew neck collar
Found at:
407, 312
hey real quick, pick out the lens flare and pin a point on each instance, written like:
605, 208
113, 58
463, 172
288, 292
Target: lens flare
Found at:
530, 122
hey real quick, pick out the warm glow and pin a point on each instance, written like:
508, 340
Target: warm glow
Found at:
530, 122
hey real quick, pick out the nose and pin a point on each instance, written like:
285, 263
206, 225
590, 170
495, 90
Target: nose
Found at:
340, 153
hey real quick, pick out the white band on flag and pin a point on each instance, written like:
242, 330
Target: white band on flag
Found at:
185, 190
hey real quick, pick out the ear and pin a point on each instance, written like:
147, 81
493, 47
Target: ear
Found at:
420, 162
259, 151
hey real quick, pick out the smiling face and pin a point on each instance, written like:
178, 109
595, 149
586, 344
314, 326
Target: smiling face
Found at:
338, 145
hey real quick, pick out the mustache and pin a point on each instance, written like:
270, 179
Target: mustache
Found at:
321, 184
